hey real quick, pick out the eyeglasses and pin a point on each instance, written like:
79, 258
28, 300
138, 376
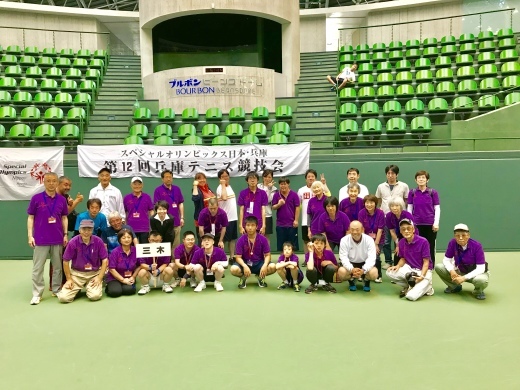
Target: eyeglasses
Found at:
461, 235
406, 228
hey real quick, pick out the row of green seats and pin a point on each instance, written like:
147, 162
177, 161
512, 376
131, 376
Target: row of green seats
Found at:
51, 114
45, 99
48, 62
36, 72
430, 42
440, 62
44, 132
217, 141
420, 126
10, 84
52, 52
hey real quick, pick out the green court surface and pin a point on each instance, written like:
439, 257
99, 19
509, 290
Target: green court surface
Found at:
263, 338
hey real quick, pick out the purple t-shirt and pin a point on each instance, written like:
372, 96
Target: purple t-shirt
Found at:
415, 252
334, 230
174, 198
183, 255
259, 199
259, 248
314, 209
293, 258
285, 215
327, 255
82, 254
392, 222
47, 212
423, 205
372, 223
465, 260
161, 260
137, 211
122, 262
352, 209
207, 261
206, 220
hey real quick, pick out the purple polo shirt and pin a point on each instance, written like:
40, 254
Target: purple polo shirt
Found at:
260, 248
372, 223
466, 259
314, 209
259, 199
415, 252
161, 260
423, 205
137, 211
121, 262
285, 215
174, 198
81, 254
183, 255
206, 220
207, 261
392, 222
352, 209
327, 255
293, 258
334, 230
44, 208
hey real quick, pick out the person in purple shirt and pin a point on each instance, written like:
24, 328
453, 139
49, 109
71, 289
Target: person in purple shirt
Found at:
333, 224
373, 221
252, 202
122, 267
413, 272
84, 263
288, 268
321, 264
208, 264
47, 234
424, 205
397, 213
139, 208
352, 205
156, 269
286, 202
253, 255
213, 220
315, 208
182, 258
173, 195
464, 261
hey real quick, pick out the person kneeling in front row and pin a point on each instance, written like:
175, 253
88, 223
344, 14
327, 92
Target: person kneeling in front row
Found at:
208, 264
321, 264
155, 269
122, 267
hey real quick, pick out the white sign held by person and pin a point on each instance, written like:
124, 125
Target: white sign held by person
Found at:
155, 249
186, 160
22, 170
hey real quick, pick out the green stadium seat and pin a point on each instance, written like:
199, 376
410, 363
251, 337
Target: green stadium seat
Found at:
260, 114
83, 53
505, 33
46, 62
508, 43
13, 71
213, 114
87, 86
258, 129
486, 58
424, 75
404, 77
82, 99
488, 70
68, 86
444, 74
348, 58
346, 49
93, 75
63, 99
278, 139
192, 140
76, 114
185, 130
438, 105
43, 99
365, 68
414, 106
237, 114
142, 114
13, 49
420, 126
100, 54
366, 79
403, 65
96, 64
448, 40
283, 112
348, 110
446, 88
412, 44
392, 107
442, 62
512, 98
54, 73
466, 72
80, 63
395, 127
221, 140
190, 115
49, 85
67, 53
466, 87
464, 59
8, 83
465, 38
404, 91
63, 63
27, 61
486, 36
249, 139
44, 132
7, 114
53, 114
281, 128
508, 55
486, 46
362, 48
372, 129
462, 103
449, 50
69, 132
347, 94
512, 67
378, 47
163, 129
33, 72
470, 48
28, 85
31, 51
348, 129
490, 84
2, 132
378, 57
412, 54
49, 52
385, 78
210, 130
5, 97
510, 82
139, 130
425, 89
19, 132
430, 42
488, 103
362, 57
430, 52
395, 56
166, 115
369, 109
383, 67
234, 130
133, 140
422, 63
73, 73
385, 91
24, 98
395, 45
366, 93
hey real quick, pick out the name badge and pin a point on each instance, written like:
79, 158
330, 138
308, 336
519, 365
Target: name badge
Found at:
135, 215
88, 267
213, 228
51, 220
128, 274
250, 208
174, 205
249, 263
209, 272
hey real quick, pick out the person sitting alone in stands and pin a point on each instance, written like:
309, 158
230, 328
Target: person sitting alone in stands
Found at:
347, 75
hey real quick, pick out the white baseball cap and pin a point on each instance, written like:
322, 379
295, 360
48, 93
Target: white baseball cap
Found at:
461, 226
136, 178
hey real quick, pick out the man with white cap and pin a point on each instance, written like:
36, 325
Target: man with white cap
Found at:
464, 261
110, 196
413, 272
139, 208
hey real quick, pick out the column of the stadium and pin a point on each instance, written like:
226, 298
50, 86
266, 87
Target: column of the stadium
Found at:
115, 103
316, 103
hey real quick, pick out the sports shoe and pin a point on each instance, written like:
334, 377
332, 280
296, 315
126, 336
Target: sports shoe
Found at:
352, 285
282, 286
304, 264
261, 282
201, 286
176, 283
145, 289
35, 300
243, 282
403, 292
366, 287
333, 89
193, 282
479, 295
311, 289
218, 286
296, 287
430, 292
328, 287
386, 265
378, 280
167, 288
456, 289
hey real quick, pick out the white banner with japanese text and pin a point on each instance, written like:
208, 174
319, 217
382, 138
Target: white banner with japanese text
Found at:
22, 170
186, 160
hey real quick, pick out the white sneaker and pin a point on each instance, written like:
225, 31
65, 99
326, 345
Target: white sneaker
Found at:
201, 286
386, 265
218, 286
378, 280
167, 289
430, 292
193, 282
145, 289
35, 300
176, 283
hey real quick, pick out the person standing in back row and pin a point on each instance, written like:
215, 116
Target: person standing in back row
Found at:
268, 186
173, 195
110, 196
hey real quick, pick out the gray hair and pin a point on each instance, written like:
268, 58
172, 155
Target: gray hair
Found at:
354, 185
113, 214
396, 202
317, 184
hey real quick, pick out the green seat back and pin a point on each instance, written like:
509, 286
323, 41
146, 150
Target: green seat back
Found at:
30, 114
53, 114
32, 51
185, 130
249, 139
278, 139
509, 55
237, 114
438, 105
46, 62
74, 73
403, 77
192, 140
384, 67
221, 140
487, 70
214, 114
45, 131
510, 81
446, 88
486, 36
466, 38
142, 114
467, 87
76, 114
347, 94
54, 73
464, 59
486, 58
369, 109
8, 83
27, 61
83, 53
13, 71
133, 140
430, 52
22, 98
462, 103
234, 130
414, 106
166, 115
486, 46
488, 102
385, 91
283, 112
43, 98
281, 128
139, 129
82, 99
395, 126
190, 114
348, 128
365, 79
508, 43
466, 72
63, 98
33, 72
20, 131
405, 90
372, 126
392, 107
5, 97
347, 110
49, 52
163, 129
69, 132
512, 67
424, 75
7, 113
512, 98
49, 85
421, 124
69, 86
444, 74
63, 63
365, 68
422, 63
442, 62
448, 40
425, 89
366, 93
490, 84
258, 129
210, 130
429, 42
385, 78
260, 113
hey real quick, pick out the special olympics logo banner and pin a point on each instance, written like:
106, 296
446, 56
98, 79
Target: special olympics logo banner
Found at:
22, 170
186, 160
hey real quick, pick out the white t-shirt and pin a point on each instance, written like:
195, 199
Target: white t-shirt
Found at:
270, 194
343, 192
229, 205
111, 199
346, 73
399, 190
362, 252
305, 194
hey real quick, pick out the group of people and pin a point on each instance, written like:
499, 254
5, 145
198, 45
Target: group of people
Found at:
357, 225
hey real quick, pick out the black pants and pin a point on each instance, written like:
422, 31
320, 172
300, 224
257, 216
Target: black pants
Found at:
427, 232
327, 274
142, 237
115, 289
